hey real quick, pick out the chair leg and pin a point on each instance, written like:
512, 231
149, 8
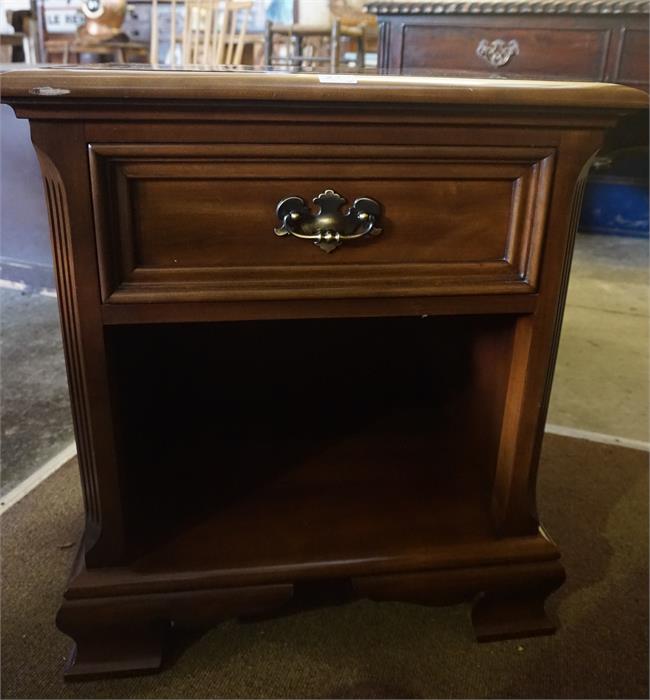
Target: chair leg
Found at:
298, 52
361, 51
335, 47
268, 43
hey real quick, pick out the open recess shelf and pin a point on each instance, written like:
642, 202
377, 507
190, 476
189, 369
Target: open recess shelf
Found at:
301, 444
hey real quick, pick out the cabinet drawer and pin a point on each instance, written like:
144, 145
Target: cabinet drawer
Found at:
195, 222
567, 53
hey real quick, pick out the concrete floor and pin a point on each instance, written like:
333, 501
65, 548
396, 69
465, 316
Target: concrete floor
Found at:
601, 378
36, 421
601, 381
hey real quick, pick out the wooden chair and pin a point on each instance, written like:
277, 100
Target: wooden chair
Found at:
213, 32
351, 14
304, 46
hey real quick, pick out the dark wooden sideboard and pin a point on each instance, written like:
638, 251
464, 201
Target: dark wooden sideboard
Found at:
276, 405
603, 40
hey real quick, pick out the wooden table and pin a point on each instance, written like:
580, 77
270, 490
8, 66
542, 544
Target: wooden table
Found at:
275, 406
604, 40
119, 51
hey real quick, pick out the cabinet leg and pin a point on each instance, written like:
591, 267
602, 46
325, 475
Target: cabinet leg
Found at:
124, 650
511, 614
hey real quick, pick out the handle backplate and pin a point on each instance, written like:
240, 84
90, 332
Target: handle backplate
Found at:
329, 227
498, 52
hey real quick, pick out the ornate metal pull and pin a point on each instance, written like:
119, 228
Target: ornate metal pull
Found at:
498, 52
329, 227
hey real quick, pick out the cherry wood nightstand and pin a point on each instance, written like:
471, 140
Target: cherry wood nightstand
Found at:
277, 400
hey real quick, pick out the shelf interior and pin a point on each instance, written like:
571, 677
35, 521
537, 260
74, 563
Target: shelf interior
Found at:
307, 443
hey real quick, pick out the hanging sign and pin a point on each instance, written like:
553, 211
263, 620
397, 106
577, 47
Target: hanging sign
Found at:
62, 16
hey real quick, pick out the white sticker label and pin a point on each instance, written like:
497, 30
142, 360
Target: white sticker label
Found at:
340, 79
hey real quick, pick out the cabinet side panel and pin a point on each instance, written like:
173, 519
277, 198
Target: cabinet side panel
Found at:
59, 228
65, 172
535, 346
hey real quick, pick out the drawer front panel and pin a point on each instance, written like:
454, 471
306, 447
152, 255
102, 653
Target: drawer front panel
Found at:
197, 222
568, 53
207, 222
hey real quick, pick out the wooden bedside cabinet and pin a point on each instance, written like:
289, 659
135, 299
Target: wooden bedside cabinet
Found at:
280, 401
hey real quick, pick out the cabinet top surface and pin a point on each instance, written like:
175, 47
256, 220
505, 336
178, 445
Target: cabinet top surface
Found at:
501, 7
57, 84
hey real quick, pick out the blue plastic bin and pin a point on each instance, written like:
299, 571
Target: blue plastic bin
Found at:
615, 205
616, 196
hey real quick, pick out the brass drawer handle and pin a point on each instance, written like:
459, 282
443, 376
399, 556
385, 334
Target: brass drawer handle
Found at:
498, 52
329, 227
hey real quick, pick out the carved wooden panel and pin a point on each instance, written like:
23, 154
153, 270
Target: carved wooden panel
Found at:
533, 51
633, 58
198, 221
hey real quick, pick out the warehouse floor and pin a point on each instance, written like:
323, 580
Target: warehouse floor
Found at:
36, 420
593, 502
601, 378
601, 381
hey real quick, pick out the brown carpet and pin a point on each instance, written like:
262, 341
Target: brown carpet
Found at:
594, 502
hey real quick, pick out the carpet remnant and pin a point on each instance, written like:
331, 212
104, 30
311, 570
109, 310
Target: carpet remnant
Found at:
593, 500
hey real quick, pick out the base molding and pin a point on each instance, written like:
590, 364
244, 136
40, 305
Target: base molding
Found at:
118, 634
516, 608
123, 635
508, 599
118, 651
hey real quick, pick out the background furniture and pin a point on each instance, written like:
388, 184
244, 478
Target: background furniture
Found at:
55, 38
213, 33
21, 45
605, 40
343, 42
148, 30
100, 35
71, 49
10, 40
351, 13
113, 51
139, 21
262, 423
305, 46
57, 29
